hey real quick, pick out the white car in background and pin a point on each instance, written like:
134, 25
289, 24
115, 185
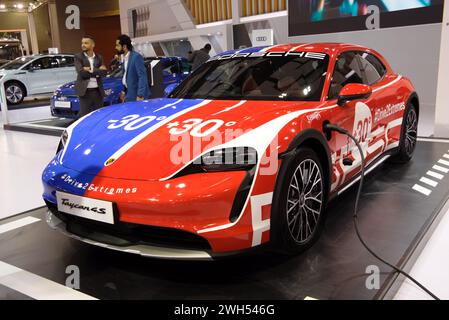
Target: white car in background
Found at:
37, 74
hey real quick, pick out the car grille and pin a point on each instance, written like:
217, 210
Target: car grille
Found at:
63, 112
126, 234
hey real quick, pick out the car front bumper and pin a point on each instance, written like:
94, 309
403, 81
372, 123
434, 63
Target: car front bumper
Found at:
145, 250
197, 204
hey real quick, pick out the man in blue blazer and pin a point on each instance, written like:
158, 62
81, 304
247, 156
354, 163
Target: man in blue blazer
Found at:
135, 78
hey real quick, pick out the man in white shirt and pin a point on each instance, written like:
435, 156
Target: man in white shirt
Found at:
89, 84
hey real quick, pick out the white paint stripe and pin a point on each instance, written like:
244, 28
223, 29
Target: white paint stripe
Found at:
376, 146
443, 162
429, 182
231, 108
259, 225
435, 175
441, 169
168, 105
150, 130
376, 133
17, 224
259, 138
382, 160
300, 46
395, 123
446, 156
422, 190
388, 84
35, 286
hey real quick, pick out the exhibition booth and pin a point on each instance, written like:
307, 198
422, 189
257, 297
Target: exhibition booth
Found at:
167, 219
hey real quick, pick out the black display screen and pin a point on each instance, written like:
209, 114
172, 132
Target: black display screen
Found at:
329, 16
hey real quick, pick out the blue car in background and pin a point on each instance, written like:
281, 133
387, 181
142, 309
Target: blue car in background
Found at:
164, 74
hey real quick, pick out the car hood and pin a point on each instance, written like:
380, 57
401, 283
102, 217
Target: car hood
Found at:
69, 88
3, 62
153, 140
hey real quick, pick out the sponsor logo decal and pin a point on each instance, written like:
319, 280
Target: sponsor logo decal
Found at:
388, 111
97, 188
314, 116
300, 54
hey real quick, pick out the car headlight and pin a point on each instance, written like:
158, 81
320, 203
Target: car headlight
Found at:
63, 141
108, 92
229, 159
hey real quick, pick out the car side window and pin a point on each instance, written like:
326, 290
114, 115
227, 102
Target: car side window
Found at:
53, 63
373, 68
66, 61
45, 63
348, 69
170, 68
186, 67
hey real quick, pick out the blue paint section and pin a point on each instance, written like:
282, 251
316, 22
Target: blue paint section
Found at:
254, 49
56, 177
94, 140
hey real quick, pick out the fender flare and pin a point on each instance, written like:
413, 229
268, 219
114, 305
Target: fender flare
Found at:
306, 136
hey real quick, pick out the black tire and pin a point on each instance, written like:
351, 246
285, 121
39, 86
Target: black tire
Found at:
290, 235
409, 135
15, 92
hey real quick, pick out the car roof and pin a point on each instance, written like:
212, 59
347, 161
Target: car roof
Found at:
40, 55
165, 58
322, 47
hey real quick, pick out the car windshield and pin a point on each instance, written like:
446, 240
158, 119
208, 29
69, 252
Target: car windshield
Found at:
117, 73
271, 77
16, 64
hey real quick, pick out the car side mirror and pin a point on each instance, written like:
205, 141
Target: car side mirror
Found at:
354, 91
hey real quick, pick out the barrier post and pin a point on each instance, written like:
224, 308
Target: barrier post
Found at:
3, 104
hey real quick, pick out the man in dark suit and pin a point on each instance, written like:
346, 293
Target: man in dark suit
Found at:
89, 83
135, 79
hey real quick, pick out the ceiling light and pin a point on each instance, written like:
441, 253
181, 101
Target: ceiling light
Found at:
2, 6
19, 6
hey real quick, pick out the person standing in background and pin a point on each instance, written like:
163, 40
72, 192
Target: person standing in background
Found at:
199, 57
90, 70
135, 78
115, 63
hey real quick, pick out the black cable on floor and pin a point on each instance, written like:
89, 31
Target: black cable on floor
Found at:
356, 209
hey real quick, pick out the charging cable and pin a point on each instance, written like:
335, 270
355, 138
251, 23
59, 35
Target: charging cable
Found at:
331, 127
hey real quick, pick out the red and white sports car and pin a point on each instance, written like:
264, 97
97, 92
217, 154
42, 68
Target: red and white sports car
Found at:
236, 157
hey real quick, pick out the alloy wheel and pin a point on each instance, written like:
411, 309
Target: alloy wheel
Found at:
14, 93
304, 201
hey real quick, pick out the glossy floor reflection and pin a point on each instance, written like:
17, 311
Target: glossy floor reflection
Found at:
391, 216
